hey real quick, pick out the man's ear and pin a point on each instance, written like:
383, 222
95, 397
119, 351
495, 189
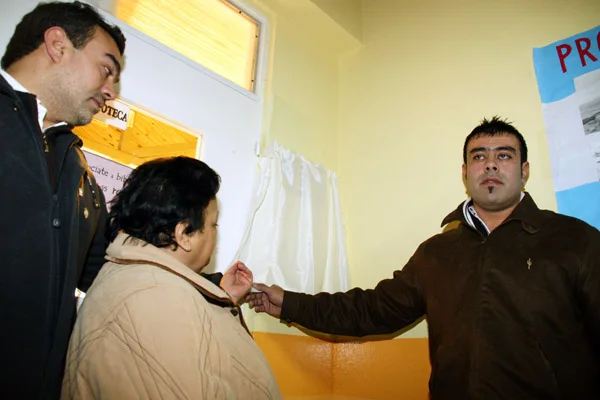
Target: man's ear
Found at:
56, 43
524, 173
464, 172
182, 238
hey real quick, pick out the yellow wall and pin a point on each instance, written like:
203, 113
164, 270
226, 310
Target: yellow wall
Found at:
304, 115
347, 13
390, 117
301, 98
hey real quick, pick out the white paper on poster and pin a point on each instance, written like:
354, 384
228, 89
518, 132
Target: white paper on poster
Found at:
571, 152
109, 174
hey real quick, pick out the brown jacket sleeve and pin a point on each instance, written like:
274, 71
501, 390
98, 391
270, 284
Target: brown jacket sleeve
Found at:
589, 285
393, 304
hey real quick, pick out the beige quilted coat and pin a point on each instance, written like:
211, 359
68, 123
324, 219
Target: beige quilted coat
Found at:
147, 331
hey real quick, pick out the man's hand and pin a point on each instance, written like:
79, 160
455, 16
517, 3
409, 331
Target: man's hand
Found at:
237, 281
269, 300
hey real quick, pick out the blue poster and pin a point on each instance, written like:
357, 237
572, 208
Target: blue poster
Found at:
568, 76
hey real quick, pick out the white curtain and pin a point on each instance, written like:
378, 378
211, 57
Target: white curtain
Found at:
295, 234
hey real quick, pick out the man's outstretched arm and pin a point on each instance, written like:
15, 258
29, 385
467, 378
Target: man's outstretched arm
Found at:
392, 305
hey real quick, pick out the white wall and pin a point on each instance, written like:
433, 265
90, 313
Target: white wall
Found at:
158, 79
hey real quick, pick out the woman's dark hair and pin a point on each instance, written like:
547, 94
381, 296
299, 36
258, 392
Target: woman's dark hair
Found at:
158, 195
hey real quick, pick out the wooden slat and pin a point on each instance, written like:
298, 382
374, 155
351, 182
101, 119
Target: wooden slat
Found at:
167, 149
101, 133
148, 138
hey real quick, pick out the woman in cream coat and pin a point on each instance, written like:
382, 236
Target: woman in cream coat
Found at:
150, 326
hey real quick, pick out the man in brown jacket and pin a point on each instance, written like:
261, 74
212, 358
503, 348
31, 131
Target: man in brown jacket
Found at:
512, 295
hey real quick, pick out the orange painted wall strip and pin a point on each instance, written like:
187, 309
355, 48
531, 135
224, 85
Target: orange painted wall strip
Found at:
302, 365
383, 370
389, 369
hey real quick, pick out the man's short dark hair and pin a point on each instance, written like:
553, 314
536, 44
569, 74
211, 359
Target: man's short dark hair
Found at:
496, 126
158, 195
78, 20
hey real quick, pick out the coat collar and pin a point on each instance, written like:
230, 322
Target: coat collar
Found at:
6, 88
527, 212
128, 250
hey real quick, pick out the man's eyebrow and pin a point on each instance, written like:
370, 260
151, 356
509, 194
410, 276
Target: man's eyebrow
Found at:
117, 65
500, 148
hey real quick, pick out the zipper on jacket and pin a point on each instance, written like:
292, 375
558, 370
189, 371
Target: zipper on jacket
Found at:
55, 271
55, 211
62, 164
56, 222
43, 151
474, 367
483, 237
547, 365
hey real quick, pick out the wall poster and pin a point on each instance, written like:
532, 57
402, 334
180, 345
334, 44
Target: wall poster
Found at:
568, 76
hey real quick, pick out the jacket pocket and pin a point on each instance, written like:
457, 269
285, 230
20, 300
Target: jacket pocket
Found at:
553, 381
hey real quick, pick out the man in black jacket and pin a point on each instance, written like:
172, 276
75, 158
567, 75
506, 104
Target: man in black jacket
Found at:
59, 68
512, 295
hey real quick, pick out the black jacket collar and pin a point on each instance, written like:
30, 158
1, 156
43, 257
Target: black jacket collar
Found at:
526, 211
